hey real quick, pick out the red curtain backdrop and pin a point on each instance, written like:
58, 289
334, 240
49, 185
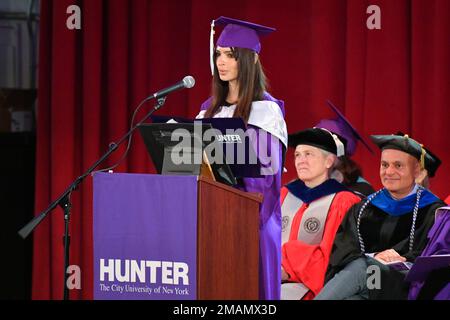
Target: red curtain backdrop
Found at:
90, 81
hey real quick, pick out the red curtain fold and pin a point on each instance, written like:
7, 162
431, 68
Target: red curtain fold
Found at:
90, 81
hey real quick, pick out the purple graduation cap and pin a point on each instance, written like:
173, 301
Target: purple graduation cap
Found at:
238, 33
343, 127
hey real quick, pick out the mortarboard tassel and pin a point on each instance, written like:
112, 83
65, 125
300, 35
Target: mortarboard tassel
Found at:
211, 48
422, 154
422, 157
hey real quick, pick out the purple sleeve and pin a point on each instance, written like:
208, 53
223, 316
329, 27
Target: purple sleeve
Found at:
269, 151
205, 105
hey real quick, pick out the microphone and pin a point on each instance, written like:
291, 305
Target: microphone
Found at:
187, 82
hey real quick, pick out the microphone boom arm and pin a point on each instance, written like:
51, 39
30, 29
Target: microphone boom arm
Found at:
64, 199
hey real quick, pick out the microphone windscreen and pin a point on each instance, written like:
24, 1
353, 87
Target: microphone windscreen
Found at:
189, 81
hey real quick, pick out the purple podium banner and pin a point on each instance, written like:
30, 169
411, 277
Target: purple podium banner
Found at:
145, 237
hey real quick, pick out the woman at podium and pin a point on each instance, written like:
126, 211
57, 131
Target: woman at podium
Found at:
239, 90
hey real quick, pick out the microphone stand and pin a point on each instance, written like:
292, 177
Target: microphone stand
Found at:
64, 199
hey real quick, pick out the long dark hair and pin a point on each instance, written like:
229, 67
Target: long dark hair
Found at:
251, 81
349, 169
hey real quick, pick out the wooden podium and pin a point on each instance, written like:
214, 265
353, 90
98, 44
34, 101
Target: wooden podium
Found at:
228, 242
145, 224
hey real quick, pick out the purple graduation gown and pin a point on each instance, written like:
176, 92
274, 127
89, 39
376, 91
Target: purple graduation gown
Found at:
439, 244
270, 211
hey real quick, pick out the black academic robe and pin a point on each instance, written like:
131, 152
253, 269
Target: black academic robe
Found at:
361, 188
380, 232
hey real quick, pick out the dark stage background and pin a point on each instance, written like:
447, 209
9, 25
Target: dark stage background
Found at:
90, 81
